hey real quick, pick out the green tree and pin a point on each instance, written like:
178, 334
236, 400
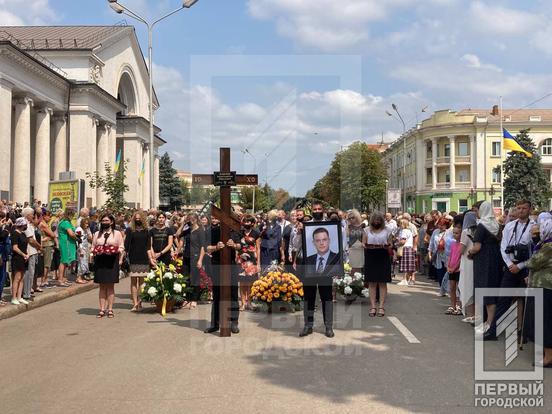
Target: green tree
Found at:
524, 177
355, 179
112, 184
170, 187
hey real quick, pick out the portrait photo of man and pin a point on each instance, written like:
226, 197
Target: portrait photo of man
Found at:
322, 245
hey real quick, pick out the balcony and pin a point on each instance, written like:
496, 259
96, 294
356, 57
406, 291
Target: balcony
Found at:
443, 186
463, 160
429, 162
443, 160
463, 185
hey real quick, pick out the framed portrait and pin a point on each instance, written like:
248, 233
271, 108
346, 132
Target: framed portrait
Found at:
322, 249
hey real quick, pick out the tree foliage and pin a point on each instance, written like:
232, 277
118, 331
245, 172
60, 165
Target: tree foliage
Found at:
170, 187
356, 179
112, 184
266, 198
524, 177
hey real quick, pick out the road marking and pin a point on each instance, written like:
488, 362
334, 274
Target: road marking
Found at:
404, 330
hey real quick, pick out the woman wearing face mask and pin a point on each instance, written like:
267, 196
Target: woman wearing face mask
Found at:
270, 240
108, 251
248, 258
196, 241
137, 248
67, 245
161, 240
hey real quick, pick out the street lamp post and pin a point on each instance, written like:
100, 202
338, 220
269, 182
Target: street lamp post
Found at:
396, 109
122, 9
246, 151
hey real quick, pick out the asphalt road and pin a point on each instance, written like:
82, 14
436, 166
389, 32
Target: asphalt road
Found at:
61, 359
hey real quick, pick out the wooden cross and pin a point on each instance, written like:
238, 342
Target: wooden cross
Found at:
225, 179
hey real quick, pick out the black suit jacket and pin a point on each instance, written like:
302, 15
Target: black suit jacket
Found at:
334, 267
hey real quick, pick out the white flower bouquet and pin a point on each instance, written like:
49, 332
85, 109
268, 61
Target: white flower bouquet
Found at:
350, 285
165, 286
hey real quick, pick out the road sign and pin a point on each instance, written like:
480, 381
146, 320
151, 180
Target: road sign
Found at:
394, 198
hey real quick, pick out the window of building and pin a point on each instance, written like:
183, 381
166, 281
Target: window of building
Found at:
447, 177
429, 175
497, 203
463, 176
447, 150
462, 206
535, 118
496, 149
429, 150
496, 176
463, 149
546, 147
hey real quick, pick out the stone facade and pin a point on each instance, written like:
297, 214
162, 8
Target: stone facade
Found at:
71, 98
452, 157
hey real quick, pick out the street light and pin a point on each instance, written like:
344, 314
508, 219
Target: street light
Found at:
396, 109
246, 151
122, 9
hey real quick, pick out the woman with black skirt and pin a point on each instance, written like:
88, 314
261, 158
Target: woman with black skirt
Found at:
137, 248
195, 241
108, 249
19, 261
377, 262
161, 240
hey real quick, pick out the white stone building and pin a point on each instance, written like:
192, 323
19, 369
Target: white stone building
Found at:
71, 98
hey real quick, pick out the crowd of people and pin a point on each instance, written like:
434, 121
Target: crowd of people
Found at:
459, 252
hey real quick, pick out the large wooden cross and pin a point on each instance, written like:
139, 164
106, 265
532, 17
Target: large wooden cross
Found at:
225, 179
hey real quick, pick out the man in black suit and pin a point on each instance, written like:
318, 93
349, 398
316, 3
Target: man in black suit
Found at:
318, 271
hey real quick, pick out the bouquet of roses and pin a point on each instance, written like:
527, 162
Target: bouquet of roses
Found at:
350, 286
106, 249
276, 285
164, 284
205, 285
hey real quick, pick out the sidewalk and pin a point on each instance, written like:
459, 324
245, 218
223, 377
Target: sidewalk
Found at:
48, 296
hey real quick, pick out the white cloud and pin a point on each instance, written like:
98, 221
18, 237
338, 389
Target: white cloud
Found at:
473, 61
26, 12
502, 20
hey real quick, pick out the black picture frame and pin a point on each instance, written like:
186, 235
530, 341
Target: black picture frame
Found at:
334, 266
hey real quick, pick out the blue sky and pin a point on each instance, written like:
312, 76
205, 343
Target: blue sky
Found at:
293, 81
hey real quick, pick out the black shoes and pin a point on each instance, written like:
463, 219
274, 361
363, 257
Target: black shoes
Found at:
211, 329
490, 335
234, 328
329, 332
306, 331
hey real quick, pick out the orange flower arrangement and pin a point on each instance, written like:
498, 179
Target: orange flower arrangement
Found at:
277, 286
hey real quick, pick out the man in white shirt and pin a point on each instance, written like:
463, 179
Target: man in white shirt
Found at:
515, 249
390, 224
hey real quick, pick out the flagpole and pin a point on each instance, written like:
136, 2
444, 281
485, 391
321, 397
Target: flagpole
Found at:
501, 157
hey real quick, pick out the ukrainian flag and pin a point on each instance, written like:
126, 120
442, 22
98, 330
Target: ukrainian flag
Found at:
118, 161
512, 144
142, 170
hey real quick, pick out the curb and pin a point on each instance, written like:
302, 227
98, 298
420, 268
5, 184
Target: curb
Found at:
46, 298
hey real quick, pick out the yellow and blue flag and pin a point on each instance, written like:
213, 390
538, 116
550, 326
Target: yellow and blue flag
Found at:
142, 170
118, 161
510, 143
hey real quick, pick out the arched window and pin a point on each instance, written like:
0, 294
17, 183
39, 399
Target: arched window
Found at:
546, 147
127, 95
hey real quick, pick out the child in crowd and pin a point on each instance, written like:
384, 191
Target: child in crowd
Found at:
453, 269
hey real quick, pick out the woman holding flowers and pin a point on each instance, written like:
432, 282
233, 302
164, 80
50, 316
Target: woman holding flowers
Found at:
377, 262
108, 254
137, 248
248, 258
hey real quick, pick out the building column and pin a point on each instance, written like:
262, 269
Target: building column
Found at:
102, 156
146, 178
452, 162
5, 135
22, 151
82, 140
42, 154
473, 168
156, 182
60, 145
434, 144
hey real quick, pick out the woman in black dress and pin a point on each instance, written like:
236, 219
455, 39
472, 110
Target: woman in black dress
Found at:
377, 262
271, 235
19, 260
487, 262
161, 240
108, 249
195, 240
248, 258
137, 248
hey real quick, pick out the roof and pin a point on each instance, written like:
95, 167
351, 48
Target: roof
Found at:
60, 37
511, 115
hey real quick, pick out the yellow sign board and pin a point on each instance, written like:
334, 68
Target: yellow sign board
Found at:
63, 194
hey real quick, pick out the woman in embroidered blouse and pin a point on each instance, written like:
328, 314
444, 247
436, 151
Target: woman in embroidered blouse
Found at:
108, 248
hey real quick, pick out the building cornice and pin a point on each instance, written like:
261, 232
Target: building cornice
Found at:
32, 65
98, 92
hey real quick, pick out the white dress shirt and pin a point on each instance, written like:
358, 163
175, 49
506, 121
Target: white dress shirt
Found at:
509, 238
